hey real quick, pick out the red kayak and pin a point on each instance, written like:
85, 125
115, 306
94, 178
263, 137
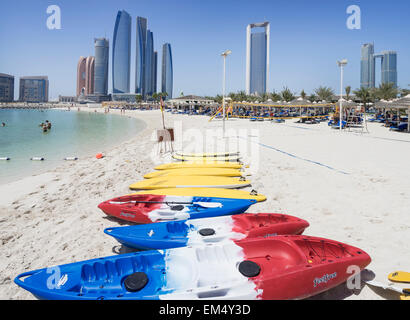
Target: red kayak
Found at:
297, 267
147, 208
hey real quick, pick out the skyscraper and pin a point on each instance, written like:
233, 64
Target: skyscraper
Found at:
389, 67
257, 58
149, 63
367, 63
6, 88
34, 89
89, 75
85, 76
121, 53
140, 56
154, 72
101, 66
368, 66
167, 71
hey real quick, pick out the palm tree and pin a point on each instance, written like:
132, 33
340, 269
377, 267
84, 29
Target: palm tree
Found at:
324, 93
275, 96
386, 91
312, 97
365, 95
303, 94
287, 95
348, 90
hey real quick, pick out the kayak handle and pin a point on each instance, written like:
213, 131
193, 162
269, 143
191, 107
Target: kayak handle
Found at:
18, 280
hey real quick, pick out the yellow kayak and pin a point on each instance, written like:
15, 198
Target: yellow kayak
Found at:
195, 172
206, 192
187, 158
190, 182
207, 154
199, 164
399, 276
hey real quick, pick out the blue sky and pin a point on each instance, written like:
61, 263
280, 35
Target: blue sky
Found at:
307, 37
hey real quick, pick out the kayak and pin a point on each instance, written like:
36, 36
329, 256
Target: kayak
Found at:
154, 208
195, 172
399, 276
221, 158
281, 267
207, 154
175, 234
207, 192
199, 164
190, 182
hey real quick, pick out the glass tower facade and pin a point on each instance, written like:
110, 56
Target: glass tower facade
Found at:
140, 56
367, 66
154, 72
167, 71
389, 67
149, 63
258, 63
257, 58
121, 53
101, 66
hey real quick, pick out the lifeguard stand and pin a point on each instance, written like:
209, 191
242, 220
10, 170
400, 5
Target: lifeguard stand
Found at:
165, 139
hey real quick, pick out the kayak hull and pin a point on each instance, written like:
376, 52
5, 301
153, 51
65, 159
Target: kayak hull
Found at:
199, 232
281, 267
157, 208
190, 182
207, 192
199, 164
194, 172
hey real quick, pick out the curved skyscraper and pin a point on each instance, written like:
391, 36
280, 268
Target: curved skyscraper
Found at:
140, 56
167, 71
85, 76
121, 53
101, 66
257, 58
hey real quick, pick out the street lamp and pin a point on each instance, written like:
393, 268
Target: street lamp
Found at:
341, 64
224, 54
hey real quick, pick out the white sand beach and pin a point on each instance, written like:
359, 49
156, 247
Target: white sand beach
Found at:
350, 187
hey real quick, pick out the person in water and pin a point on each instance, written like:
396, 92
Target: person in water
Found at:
3, 124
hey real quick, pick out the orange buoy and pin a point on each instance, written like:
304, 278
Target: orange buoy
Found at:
99, 156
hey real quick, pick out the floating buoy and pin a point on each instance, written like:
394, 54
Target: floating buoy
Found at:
99, 156
4, 158
70, 158
37, 159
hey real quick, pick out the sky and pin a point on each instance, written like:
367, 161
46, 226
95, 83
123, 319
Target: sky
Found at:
307, 38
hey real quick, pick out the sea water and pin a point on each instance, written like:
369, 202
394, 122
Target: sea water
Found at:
73, 134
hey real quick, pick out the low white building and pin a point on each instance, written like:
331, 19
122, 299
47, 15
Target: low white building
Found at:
189, 101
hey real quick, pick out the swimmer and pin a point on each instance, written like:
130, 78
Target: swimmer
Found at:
3, 124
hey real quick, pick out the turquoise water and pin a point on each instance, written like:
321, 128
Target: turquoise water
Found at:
73, 134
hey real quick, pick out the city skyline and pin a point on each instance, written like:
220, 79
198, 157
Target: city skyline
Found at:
302, 57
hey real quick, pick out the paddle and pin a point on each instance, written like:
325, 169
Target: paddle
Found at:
387, 286
199, 203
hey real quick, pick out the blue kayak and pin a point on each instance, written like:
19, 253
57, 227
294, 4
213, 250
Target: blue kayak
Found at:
198, 232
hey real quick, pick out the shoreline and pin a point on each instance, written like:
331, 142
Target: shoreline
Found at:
53, 219
106, 148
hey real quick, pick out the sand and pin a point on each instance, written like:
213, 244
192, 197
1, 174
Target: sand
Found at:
350, 187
